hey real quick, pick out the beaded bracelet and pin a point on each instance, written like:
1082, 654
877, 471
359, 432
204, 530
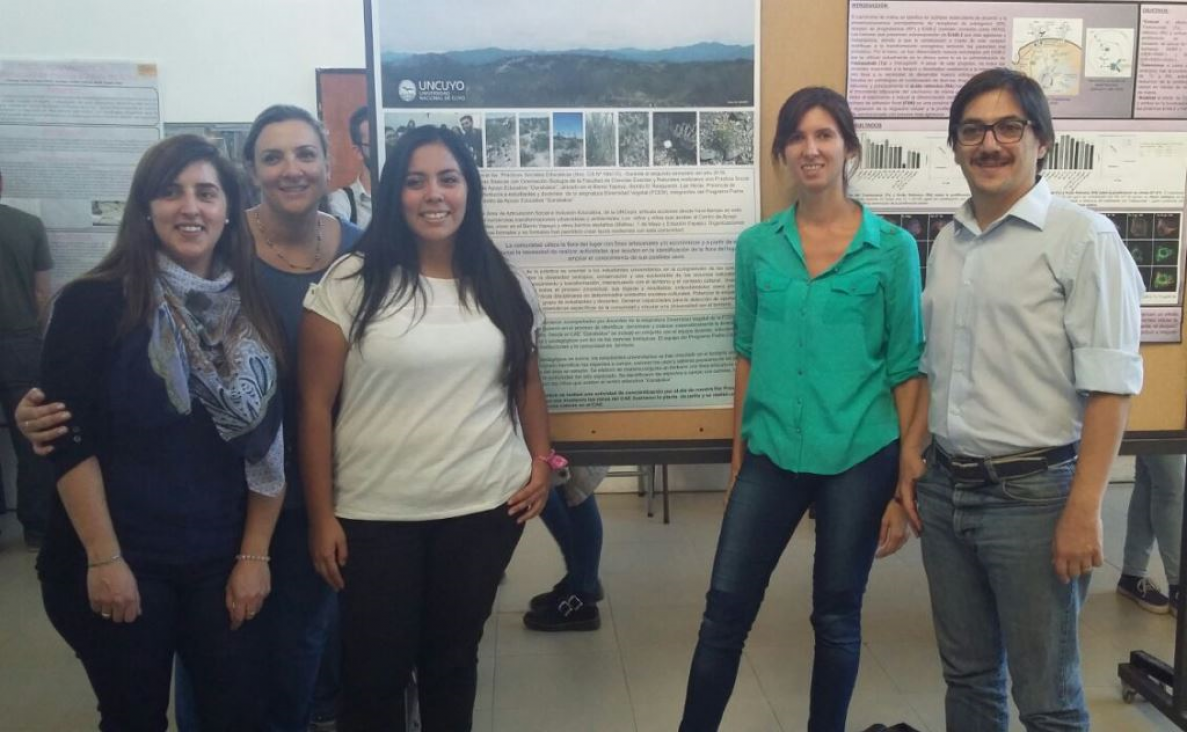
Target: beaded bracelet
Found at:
104, 562
253, 558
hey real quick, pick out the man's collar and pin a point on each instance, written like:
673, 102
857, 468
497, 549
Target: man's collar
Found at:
1031, 208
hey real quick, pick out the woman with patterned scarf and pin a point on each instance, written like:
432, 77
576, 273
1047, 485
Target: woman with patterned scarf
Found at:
171, 474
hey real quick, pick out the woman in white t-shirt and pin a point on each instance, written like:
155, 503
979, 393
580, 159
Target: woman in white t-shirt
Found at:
424, 342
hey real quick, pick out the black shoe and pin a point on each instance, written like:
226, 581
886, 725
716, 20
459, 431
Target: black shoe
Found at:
1145, 593
571, 613
1173, 596
559, 592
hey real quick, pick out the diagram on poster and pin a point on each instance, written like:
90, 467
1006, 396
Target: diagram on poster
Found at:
1051, 51
1108, 53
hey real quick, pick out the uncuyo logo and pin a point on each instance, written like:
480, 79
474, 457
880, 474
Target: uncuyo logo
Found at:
407, 90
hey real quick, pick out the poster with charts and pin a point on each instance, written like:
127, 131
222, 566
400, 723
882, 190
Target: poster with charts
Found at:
618, 155
1115, 75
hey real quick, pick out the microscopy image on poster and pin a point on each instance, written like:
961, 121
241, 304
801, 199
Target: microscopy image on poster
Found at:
620, 166
101, 117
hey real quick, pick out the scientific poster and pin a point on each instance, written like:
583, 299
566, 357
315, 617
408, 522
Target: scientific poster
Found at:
1115, 74
71, 134
618, 155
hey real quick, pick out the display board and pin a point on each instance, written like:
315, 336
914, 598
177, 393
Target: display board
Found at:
804, 43
71, 133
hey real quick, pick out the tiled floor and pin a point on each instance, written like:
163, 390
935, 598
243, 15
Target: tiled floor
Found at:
629, 676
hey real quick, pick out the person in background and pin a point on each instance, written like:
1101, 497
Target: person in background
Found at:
1033, 317
171, 474
573, 519
828, 334
25, 265
472, 136
1155, 512
353, 203
424, 436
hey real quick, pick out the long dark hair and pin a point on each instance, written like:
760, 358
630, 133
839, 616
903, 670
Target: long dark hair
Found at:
132, 260
391, 261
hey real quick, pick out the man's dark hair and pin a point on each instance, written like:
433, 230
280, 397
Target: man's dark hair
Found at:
1026, 91
357, 118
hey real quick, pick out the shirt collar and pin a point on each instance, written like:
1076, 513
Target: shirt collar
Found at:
359, 190
869, 232
1031, 208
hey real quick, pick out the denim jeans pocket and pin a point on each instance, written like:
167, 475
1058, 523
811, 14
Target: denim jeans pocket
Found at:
1048, 487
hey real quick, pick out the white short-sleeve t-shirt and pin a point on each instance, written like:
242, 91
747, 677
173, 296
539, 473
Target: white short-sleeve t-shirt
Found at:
423, 430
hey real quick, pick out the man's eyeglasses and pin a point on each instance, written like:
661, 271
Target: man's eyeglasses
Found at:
1006, 130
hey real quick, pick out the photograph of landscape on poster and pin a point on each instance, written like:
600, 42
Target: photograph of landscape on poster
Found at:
522, 53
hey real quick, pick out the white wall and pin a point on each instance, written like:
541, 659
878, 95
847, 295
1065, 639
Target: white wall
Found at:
219, 60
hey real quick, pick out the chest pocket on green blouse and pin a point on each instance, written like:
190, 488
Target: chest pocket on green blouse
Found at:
852, 300
772, 291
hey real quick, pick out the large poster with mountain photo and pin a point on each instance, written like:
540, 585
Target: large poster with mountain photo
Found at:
618, 146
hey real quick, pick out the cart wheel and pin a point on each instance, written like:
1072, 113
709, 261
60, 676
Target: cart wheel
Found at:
1128, 694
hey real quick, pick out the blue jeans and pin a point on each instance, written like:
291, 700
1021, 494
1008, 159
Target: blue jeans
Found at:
764, 509
996, 600
296, 623
578, 533
1155, 512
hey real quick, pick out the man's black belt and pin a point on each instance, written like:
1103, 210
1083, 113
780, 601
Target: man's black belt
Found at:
997, 469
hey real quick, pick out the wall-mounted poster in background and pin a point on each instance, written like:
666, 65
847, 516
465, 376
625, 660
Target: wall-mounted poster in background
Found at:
618, 155
71, 134
1115, 74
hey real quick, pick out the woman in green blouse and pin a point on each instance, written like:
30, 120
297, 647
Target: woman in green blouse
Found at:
828, 335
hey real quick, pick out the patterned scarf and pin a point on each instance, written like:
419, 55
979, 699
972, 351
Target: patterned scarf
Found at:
204, 347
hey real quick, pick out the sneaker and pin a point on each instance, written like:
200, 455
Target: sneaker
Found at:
571, 613
1145, 593
559, 592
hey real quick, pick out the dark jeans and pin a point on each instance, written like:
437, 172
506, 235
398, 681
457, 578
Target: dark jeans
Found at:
578, 533
764, 509
296, 624
130, 665
417, 595
20, 359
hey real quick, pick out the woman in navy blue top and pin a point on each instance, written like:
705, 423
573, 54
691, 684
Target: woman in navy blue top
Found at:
171, 470
287, 154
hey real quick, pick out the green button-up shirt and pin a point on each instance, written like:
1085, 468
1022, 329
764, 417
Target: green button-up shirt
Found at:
825, 351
